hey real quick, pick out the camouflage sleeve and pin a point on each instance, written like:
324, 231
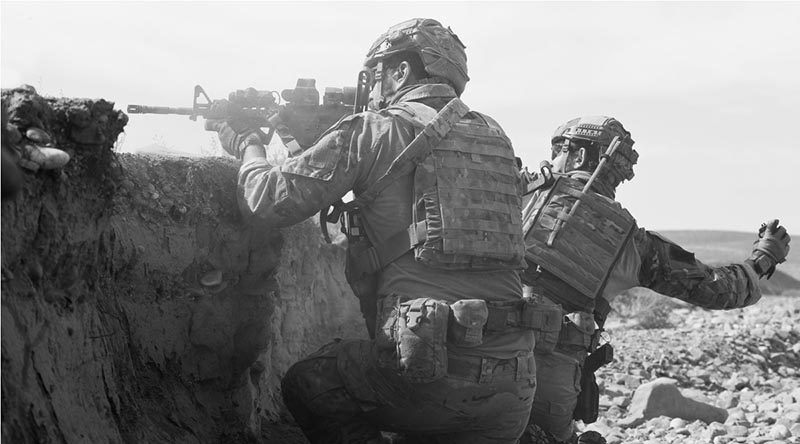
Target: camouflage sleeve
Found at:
672, 271
340, 159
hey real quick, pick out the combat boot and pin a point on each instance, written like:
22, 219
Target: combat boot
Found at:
591, 437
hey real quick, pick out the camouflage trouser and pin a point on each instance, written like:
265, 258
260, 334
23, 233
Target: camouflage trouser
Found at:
558, 379
338, 395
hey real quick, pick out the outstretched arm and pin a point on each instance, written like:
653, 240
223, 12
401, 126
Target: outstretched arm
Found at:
670, 270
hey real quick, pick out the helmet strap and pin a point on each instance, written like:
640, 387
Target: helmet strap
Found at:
378, 101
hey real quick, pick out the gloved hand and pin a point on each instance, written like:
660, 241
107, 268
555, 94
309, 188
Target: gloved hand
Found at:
37, 151
25, 138
235, 135
770, 249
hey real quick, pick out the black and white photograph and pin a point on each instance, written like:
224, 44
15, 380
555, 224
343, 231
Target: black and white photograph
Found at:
400, 222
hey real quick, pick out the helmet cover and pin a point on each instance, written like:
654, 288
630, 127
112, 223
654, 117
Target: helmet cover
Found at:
440, 49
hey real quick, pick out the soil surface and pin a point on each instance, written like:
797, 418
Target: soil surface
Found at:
139, 306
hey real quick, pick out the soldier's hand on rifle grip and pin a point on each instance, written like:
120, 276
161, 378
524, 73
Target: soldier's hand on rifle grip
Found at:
236, 136
770, 249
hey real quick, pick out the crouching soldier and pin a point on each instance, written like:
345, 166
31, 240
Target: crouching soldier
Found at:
435, 258
583, 249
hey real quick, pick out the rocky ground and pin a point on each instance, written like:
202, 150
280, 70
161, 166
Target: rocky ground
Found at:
744, 361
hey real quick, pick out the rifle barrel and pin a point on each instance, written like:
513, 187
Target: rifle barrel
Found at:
144, 109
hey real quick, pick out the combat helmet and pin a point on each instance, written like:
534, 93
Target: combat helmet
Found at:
441, 51
600, 131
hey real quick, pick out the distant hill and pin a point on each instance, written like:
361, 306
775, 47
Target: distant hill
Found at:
161, 150
723, 247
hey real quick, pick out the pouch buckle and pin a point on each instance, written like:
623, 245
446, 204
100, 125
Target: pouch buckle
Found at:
414, 313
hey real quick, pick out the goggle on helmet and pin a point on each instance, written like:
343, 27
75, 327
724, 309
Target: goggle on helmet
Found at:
441, 51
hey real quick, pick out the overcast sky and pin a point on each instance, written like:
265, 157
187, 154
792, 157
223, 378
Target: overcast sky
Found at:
710, 91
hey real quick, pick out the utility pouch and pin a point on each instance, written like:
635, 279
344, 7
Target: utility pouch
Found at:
588, 404
545, 321
574, 338
417, 332
469, 317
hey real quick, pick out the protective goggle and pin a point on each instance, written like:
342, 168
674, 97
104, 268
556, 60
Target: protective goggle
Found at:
567, 144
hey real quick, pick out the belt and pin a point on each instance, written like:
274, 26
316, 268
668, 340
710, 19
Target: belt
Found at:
523, 314
483, 369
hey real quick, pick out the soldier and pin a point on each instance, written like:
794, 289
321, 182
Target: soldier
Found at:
435, 248
580, 259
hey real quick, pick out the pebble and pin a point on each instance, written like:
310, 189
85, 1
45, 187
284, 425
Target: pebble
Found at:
727, 400
779, 431
37, 135
714, 429
737, 430
677, 423
745, 361
211, 278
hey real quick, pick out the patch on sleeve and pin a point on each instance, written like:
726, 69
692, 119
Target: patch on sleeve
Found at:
321, 160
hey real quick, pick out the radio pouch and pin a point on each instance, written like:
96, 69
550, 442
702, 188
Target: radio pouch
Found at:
417, 331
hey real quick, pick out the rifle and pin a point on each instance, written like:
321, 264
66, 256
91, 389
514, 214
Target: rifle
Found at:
295, 114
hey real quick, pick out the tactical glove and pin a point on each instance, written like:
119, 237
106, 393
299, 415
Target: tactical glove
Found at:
235, 135
24, 138
770, 249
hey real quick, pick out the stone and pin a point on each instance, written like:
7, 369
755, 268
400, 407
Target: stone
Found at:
714, 430
621, 401
677, 423
779, 431
737, 430
795, 429
768, 406
737, 417
211, 278
727, 400
746, 395
614, 390
38, 135
662, 397
632, 381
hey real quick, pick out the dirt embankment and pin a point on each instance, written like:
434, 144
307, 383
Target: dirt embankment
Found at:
139, 306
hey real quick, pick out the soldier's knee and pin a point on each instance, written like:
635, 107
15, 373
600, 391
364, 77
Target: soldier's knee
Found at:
310, 378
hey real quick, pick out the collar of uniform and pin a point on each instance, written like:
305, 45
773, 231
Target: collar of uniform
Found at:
423, 91
598, 186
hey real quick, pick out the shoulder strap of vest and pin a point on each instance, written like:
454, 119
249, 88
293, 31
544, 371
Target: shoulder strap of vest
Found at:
417, 150
434, 127
384, 251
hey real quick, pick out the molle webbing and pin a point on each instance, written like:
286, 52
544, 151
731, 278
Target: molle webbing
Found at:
417, 150
575, 268
384, 251
468, 189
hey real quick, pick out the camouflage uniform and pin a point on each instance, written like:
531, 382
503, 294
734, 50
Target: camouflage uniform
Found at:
340, 394
648, 260
350, 391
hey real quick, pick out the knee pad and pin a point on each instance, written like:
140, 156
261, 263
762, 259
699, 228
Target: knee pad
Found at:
314, 386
